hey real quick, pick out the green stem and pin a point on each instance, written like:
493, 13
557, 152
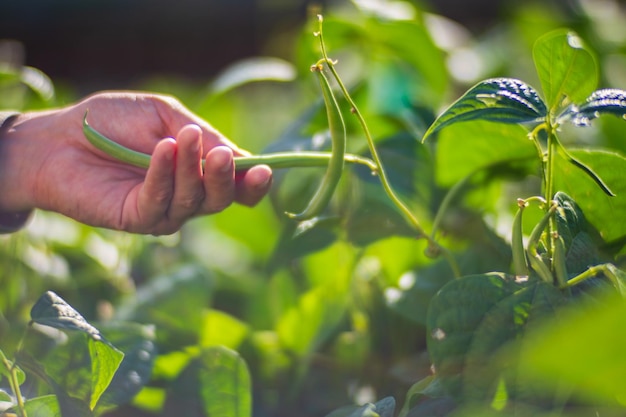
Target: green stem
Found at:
407, 213
15, 386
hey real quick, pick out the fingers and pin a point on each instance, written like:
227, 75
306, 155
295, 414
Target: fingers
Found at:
219, 179
188, 189
156, 193
177, 187
253, 185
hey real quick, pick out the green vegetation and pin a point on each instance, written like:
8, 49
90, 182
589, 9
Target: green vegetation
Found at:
477, 274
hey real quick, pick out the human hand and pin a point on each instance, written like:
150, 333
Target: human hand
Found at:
47, 163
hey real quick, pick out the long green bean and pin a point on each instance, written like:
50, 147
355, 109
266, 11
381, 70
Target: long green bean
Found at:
275, 160
331, 178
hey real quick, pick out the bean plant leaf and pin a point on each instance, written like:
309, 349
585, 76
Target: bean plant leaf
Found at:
567, 70
504, 100
606, 101
105, 360
473, 317
216, 383
51, 310
44, 406
587, 357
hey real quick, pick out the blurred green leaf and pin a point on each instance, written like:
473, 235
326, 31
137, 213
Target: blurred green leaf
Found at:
215, 384
172, 303
253, 70
567, 70
44, 406
105, 360
588, 357
222, 329
503, 100
304, 328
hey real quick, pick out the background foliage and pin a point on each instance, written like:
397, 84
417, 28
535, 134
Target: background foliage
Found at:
242, 314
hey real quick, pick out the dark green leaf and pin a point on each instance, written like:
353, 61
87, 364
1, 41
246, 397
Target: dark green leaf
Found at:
607, 101
215, 384
471, 318
566, 69
51, 310
504, 100
454, 315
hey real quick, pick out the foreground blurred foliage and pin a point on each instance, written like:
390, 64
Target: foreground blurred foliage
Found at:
246, 313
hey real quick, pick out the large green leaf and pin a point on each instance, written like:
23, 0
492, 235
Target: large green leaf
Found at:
600, 210
504, 100
567, 70
584, 353
466, 148
215, 384
471, 318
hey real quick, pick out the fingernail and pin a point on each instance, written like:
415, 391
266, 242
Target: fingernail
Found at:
223, 160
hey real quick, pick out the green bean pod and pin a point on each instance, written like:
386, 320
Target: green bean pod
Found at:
274, 160
331, 178
558, 260
536, 262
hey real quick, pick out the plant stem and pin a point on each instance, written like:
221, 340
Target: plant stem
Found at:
408, 215
15, 386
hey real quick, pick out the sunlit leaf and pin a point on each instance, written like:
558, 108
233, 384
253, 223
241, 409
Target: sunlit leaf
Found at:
221, 329
587, 357
216, 383
600, 102
105, 360
504, 100
476, 146
567, 70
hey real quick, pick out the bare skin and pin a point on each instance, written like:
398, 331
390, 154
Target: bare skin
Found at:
46, 163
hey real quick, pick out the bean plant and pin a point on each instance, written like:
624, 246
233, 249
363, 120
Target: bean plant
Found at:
384, 266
